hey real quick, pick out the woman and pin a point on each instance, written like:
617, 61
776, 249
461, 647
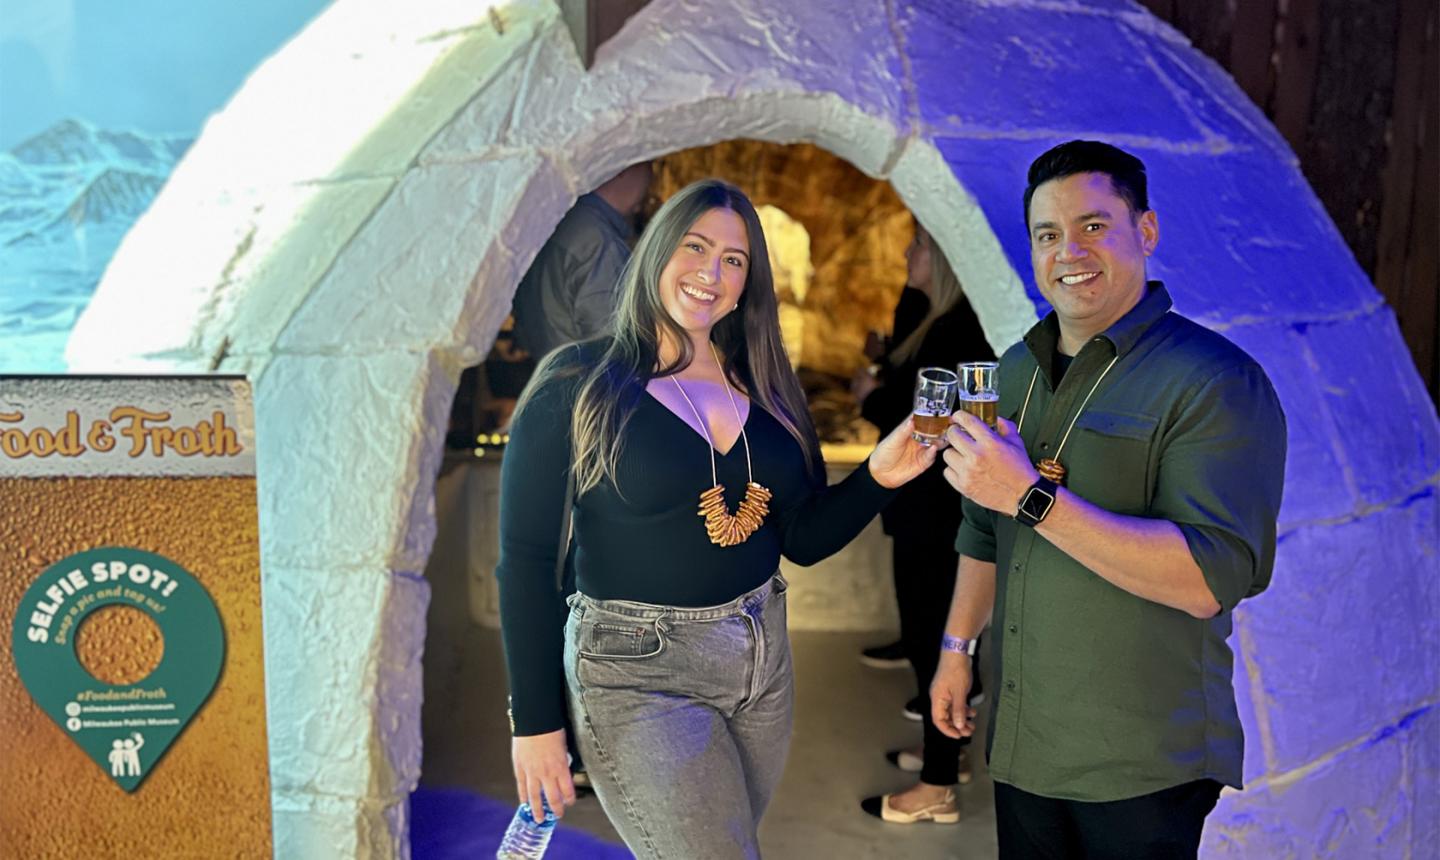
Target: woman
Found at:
935, 327
673, 653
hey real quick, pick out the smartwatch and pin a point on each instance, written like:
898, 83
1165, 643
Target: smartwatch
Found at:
1036, 503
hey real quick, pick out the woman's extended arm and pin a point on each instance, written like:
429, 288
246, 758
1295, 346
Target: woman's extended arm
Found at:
831, 517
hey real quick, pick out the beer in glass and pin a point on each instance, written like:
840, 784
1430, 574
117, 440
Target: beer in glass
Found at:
934, 401
979, 391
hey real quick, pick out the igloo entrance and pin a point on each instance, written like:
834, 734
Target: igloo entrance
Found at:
854, 230
839, 238
850, 231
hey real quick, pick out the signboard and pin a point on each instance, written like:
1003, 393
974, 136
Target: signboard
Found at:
131, 675
125, 728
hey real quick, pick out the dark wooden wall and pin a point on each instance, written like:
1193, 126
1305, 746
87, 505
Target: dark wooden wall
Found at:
591, 22
1352, 85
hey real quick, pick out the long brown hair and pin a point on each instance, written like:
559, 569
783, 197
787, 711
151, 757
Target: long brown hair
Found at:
752, 352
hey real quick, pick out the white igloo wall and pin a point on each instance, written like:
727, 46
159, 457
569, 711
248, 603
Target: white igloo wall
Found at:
350, 229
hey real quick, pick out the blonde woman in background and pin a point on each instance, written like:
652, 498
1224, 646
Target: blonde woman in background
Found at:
934, 327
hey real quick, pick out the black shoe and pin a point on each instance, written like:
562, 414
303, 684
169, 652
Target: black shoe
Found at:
890, 656
912, 710
873, 806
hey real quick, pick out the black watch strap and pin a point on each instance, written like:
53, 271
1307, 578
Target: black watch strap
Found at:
1035, 505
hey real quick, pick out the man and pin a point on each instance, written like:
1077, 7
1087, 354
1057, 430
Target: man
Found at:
569, 292
1113, 723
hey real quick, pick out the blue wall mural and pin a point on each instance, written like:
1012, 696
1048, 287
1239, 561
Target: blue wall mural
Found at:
98, 100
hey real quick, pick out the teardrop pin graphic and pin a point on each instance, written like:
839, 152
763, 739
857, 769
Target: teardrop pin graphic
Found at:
124, 728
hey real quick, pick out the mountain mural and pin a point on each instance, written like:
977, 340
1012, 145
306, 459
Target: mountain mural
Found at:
67, 197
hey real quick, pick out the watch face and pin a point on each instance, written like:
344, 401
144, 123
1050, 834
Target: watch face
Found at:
1037, 504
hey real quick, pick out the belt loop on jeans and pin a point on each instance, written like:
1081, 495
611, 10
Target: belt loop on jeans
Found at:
758, 601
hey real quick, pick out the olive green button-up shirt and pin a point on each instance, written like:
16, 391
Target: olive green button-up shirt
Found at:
1103, 695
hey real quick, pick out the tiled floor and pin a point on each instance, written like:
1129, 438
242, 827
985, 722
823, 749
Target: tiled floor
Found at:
847, 716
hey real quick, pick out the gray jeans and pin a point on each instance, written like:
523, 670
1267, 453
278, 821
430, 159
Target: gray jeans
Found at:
683, 717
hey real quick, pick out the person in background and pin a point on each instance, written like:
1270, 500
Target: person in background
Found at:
568, 294
934, 327
910, 311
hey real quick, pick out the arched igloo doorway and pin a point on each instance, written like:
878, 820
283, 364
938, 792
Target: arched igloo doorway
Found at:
837, 251
837, 241
310, 239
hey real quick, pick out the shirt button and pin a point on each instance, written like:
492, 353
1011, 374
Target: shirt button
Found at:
1009, 685
1044, 444
1014, 629
1016, 566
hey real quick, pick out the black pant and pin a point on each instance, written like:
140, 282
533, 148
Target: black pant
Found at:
924, 582
1165, 825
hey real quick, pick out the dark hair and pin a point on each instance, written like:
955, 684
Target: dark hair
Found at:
1126, 172
748, 340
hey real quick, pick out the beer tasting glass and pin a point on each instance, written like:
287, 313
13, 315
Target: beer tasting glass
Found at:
934, 401
979, 390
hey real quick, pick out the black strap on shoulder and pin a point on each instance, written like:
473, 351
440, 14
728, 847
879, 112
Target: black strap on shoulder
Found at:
565, 532
566, 515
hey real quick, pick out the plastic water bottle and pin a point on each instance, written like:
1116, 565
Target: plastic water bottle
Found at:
526, 838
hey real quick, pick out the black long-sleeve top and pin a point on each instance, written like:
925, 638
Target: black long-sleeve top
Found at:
649, 545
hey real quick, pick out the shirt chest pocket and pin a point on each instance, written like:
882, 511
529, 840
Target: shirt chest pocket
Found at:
1111, 460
